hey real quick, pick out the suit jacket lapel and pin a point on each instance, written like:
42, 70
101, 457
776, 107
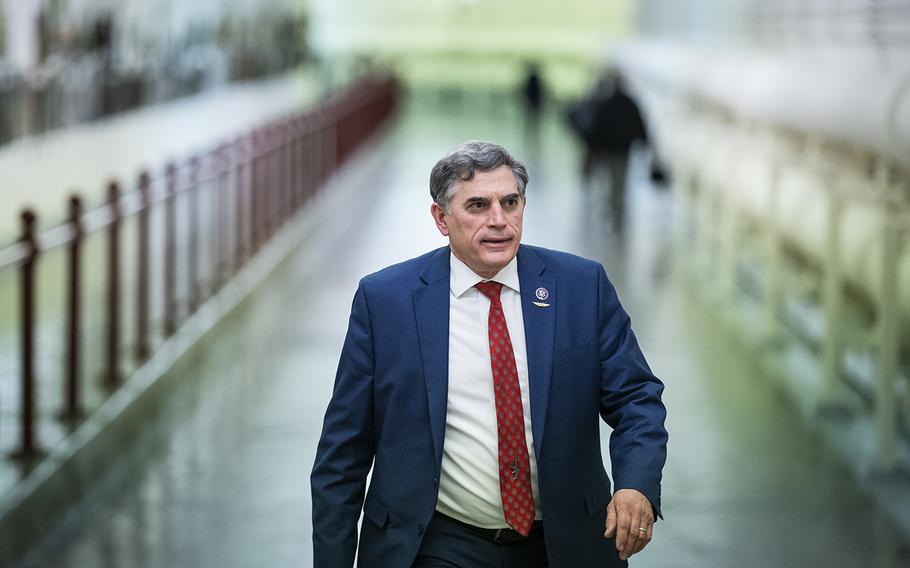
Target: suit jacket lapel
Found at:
539, 322
431, 303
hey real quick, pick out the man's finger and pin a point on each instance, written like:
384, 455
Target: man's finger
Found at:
610, 528
630, 546
623, 521
644, 536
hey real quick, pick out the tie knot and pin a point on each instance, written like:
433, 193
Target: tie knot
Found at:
489, 289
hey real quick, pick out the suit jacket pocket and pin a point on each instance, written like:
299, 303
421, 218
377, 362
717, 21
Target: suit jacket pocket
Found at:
375, 511
565, 356
598, 497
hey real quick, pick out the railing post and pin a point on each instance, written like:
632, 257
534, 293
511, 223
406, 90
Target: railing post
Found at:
728, 245
287, 172
773, 253
112, 377
192, 257
308, 167
73, 410
276, 188
170, 252
239, 156
222, 245
682, 212
266, 188
342, 130
143, 342
297, 172
28, 448
888, 331
255, 191
832, 295
703, 234
311, 158
330, 141
280, 187
317, 144
270, 195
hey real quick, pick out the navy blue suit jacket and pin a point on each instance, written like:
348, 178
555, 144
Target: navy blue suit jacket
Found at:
388, 411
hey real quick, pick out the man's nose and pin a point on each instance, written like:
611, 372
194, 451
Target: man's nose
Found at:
497, 216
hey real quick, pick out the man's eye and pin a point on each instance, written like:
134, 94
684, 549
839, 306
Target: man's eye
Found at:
475, 205
512, 202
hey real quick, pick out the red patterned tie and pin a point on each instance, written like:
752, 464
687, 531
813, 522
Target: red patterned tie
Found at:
514, 465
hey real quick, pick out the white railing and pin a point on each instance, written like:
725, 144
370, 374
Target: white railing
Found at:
808, 197
780, 23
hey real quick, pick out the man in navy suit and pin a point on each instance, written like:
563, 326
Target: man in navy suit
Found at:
471, 382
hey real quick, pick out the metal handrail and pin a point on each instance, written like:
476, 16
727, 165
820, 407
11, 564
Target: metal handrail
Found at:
267, 174
100, 218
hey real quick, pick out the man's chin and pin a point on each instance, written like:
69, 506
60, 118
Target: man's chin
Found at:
497, 260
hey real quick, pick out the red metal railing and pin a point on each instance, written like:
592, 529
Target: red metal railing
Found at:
236, 197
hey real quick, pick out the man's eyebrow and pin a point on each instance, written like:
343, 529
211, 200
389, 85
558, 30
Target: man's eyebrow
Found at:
476, 200
512, 196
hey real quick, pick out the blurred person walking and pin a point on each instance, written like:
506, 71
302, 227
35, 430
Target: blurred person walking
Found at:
534, 94
609, 123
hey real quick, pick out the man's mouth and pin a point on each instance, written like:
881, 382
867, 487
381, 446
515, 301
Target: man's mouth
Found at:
496, 241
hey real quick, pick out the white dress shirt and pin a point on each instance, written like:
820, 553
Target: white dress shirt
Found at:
469, 482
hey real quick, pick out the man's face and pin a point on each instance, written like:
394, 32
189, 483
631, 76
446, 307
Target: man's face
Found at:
484, 221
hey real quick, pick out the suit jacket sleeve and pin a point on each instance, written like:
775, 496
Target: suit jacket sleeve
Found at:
345, 452
630, 401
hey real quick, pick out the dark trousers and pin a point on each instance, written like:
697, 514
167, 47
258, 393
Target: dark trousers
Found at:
450, 544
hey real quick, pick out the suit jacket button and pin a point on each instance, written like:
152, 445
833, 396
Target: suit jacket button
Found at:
420, 529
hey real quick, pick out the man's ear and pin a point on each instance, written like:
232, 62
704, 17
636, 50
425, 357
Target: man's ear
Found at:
439, 217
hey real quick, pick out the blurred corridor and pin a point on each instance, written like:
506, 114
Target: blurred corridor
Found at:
759, 250
229, 465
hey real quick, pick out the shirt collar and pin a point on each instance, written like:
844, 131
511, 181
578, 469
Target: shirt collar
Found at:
463, 278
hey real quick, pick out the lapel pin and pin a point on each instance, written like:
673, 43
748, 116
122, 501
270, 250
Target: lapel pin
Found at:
542, 294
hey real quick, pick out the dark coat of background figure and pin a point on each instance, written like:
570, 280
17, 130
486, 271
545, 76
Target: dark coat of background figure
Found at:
609, 122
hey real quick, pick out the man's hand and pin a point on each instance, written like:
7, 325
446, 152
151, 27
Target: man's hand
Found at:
629, 511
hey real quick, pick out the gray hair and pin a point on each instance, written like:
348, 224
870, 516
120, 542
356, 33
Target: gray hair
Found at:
464, 161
